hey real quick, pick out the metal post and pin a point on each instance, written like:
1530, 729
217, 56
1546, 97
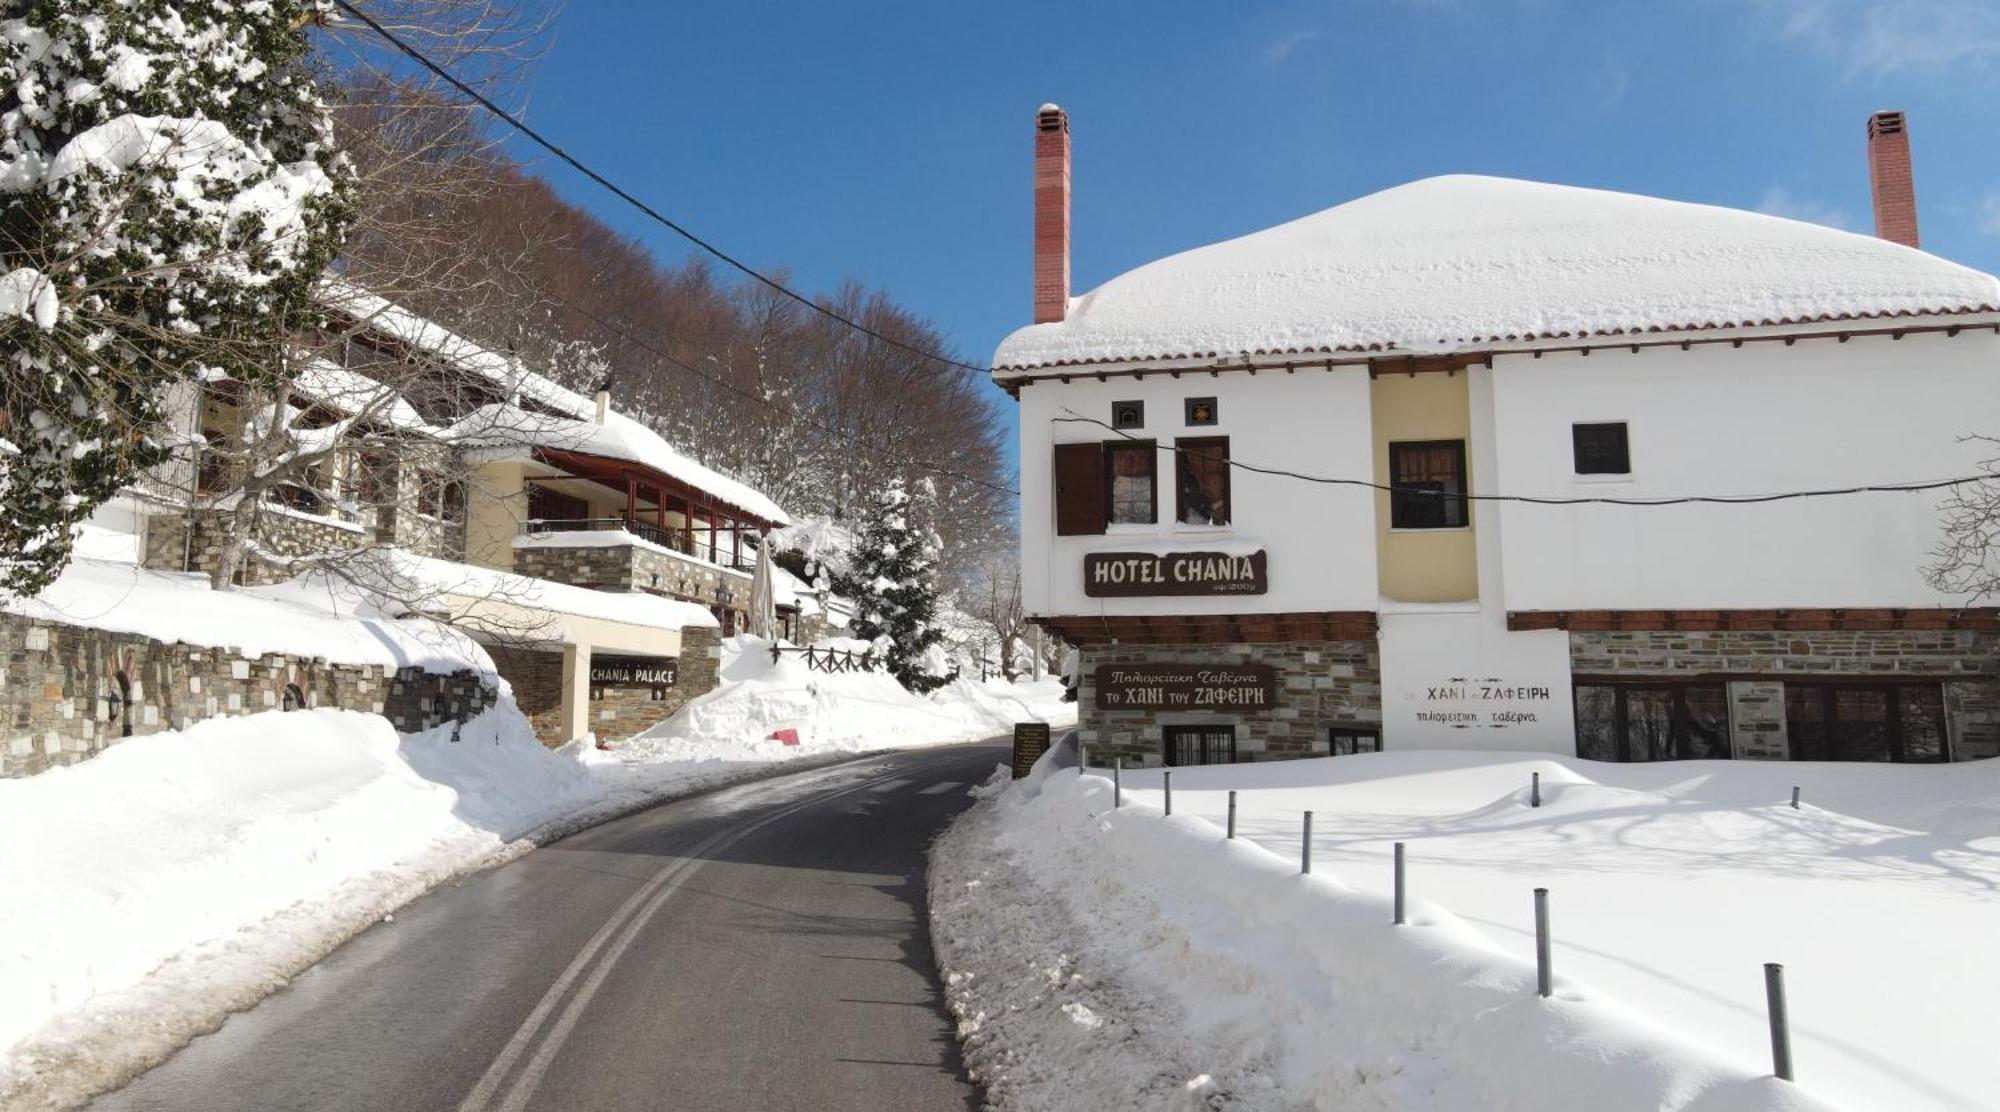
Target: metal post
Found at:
1082, 758
1399, 884
1232, 813
1306, 850
1117, 782
1544, 974
1781, 1029
1535, 791
1795, 797
1167, 783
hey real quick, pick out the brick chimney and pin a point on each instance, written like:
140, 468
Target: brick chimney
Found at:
1889, 178
1051, 214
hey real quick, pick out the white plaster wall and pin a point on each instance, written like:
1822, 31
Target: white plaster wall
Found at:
1445, 664
1320, 540
1759, 419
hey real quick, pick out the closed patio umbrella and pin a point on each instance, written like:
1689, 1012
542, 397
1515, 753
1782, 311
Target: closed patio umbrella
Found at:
763, 596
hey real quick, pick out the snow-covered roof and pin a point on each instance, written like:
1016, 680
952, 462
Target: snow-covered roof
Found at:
620, 437
1464, 262
506, 431
354, 393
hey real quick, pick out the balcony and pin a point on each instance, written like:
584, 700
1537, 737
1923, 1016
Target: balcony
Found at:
625, 554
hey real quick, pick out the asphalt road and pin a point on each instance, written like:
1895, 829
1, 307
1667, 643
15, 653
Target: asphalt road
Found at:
760, 948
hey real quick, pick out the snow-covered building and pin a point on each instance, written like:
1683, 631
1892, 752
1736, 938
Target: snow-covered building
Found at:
599, 563
1411, 472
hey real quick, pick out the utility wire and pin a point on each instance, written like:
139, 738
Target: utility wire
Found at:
681, 365
1536, 500
654, 214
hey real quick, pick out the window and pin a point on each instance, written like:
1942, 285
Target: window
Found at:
1128, 415
1601, 448
1652, 721
1201, 411
551, 505
1345, 741
1865, 722
1201, 468
1129, 480
1199, 745
1429, 477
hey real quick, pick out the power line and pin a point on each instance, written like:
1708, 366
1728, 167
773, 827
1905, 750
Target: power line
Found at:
624, 195
681, 365
1537, 500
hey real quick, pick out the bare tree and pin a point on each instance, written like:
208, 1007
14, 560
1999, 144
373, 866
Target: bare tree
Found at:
1967, 561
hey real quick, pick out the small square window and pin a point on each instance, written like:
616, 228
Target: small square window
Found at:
1602, 448
1201, 411
1128, 415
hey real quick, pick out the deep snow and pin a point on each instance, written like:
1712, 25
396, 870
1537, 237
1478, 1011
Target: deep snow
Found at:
1092, 956
181, 875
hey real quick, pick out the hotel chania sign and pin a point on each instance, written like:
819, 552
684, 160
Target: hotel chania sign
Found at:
1135, 574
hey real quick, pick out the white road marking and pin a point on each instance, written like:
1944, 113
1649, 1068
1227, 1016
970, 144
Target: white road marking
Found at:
942, 786
631, 916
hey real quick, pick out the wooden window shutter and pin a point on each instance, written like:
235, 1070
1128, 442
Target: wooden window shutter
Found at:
1079, 489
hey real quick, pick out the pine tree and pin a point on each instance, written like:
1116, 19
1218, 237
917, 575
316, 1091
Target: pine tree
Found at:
169, 193
892, 576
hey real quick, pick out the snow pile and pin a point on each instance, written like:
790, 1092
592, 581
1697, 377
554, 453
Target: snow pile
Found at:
1101, 958
838, 711
301, 617
1463, 261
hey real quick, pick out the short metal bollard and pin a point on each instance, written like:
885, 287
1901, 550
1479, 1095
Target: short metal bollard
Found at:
1795, 797
1535, 790
1082, 758
1306, 849
1781, 1029
1117, 782
1544, 972
1167, 782
1399, 884
1232, 814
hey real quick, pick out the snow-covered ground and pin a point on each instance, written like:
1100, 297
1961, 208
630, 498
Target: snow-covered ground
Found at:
180, 875
1671, 885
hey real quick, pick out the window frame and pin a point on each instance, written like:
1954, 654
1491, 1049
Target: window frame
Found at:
1171, 732
1354, 735
1678, 716
1151, 451
1401, 500
1577, 430
1183, 446
1825, 688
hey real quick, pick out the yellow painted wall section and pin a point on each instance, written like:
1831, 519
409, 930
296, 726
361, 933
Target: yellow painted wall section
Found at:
496, 503
1421, 565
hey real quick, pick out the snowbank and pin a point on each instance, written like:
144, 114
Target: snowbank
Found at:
180, 875
1170, 962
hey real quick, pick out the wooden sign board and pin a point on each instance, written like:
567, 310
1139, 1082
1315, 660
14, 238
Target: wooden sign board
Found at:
1214, 687
1144, 574
1031, 740
634, 671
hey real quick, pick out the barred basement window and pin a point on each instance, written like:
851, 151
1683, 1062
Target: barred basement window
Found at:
1345, 741
1601, 448
1429, 481
1199, 745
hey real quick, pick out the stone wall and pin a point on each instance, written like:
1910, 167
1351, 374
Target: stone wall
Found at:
1320, 684
70, 692
635, 567
617, 712
279, 534
1966, 663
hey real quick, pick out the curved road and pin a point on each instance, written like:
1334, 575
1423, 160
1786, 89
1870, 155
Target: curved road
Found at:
760, 947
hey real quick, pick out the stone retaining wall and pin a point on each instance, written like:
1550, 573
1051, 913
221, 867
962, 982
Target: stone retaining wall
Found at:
536, 677
635, 567
1320, 684
70, 692
1966, 663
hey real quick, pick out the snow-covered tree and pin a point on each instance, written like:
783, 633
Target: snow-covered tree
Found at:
169, 192
892, 576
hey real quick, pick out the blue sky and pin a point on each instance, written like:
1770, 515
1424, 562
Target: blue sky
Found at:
890, 141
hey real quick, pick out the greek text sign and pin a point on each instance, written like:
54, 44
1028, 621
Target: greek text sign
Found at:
1490, 703
634, 671
1135, 574
1228, 687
